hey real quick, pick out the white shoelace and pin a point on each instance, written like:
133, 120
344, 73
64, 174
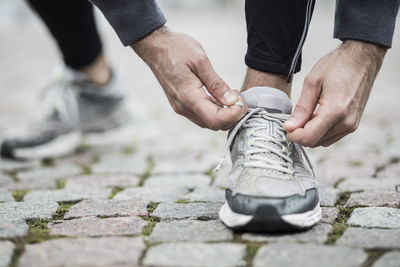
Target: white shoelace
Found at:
261, 143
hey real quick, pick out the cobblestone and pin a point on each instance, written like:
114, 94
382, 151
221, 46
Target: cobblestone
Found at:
328, 196
318, 234
6, 252
375, 217
107, 208
5, 196
12, 165
27, 210
69, 194
133, 164
153, 194
10, 229
389, 259
5, 180
195, 254
94, 226
206, 194
49, 173
188, 180
204, 211
329, 215
103, 180
104, 251
370, 238
368, 184
374, 199
190, 230
289, 254
35, 184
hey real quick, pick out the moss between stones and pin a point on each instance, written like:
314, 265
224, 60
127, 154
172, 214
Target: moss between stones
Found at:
151, 207
60, 184
150, 166
338, 182
355, 163
19, 194
373, 256
48, 162
151, 221
115, 191
251, 249
13, 175
339, 226
62, 209
182, 201
86, 169
128, 150
19, 249
343, 197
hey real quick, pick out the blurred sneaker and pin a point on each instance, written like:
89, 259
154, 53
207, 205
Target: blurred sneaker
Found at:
270, 189
71, 106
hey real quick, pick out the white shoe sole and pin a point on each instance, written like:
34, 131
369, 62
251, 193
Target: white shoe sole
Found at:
299, 220
62, 145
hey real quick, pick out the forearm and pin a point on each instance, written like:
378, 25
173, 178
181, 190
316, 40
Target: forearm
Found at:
132, 20
366, 20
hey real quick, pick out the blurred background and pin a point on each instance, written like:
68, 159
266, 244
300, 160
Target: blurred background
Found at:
28, 57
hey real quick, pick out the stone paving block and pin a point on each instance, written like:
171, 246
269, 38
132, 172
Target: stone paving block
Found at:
103, 180
368, 184
190, 230
318, 234
49, 173
205, 211
68, 194
5, 196
135, 164
391, 171
310, 255
378, 217
34, 184
389, 259
188, 180
94, 226
6, 252
328, 196
370, 238
153, 194
206, 194
5, 180
374, 199
28, 210
183, 162
12, 165
329, 215
107, 208
195, 254
74, 252
13, 228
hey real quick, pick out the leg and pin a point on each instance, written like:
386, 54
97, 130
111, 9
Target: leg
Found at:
276, 34
72, 24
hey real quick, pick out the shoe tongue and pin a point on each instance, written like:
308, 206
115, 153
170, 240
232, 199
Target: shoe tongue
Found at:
271, 99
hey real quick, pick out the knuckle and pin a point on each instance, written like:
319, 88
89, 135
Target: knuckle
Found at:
200, 59
216, 84
308, 142
311, 81
300, 107
350, 124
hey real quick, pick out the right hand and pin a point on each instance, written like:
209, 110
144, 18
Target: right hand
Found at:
183, 68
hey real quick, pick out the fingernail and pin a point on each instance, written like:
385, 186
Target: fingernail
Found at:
239, 104
229, 97
291, 121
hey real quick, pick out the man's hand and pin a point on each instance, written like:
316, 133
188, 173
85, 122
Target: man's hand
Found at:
340, 84
183, 68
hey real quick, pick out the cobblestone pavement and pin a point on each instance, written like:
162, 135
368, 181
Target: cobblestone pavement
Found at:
147, 196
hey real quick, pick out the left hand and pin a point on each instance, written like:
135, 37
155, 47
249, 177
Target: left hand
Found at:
340, 83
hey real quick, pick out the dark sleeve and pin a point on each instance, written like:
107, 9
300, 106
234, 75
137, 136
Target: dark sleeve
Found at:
366, 20
132, 20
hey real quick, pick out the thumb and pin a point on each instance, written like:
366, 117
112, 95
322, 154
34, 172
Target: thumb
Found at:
214, 83
305, 107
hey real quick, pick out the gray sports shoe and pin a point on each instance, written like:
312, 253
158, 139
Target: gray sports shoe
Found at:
71, 107
269, 188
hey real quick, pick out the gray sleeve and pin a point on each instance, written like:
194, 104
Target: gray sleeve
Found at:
132, 20
366, 20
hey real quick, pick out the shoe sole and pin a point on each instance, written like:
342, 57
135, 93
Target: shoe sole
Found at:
267, 219
60, 146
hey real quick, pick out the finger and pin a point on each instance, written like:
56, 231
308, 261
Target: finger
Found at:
217, 118
305, 107
332, 140
214, 84
315, 129
216, 102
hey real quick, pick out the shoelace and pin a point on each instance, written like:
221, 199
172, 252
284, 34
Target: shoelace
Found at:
259, 148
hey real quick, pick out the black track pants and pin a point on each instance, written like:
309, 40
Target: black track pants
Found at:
276, 33
72, 24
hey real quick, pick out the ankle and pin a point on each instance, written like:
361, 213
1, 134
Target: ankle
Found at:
258, 78
99, 71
